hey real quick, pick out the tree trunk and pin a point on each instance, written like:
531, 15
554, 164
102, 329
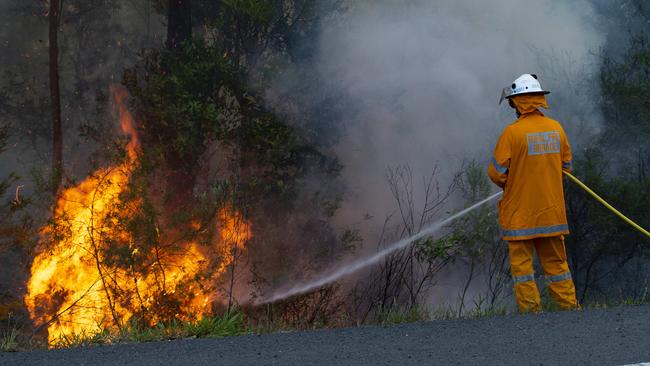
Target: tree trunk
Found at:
179, 23
55, 97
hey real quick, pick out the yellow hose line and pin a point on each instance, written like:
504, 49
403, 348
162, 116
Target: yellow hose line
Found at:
583, 186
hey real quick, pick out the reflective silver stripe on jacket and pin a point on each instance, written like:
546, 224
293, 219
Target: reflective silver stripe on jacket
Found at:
535, 230
524, 278
557, 278
501, 169
567, 165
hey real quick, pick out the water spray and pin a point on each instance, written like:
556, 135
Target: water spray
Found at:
333, 275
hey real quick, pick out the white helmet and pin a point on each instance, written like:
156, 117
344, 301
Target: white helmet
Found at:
525, 84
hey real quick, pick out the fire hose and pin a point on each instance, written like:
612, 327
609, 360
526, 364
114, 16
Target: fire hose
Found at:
610, 207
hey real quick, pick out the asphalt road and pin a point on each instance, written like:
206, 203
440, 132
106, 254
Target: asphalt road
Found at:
591, 337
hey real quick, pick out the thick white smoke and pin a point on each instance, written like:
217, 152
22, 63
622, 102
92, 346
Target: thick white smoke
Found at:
423, 80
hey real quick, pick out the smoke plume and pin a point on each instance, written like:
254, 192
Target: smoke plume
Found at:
421, 81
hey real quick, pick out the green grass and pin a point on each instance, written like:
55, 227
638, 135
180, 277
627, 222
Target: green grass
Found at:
230, 324
213, 327
444, 312
483, 309
400, 316
9, 342
643, 298
479, 309
83, 339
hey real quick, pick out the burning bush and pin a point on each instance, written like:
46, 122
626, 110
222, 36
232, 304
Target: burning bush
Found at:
161, 235
105, 263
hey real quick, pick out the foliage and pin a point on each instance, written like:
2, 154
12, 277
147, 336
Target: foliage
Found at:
256, 31
229, 324
13, 229
476, 242
16, 241
276, 42
430, 250
175, 102
482, 308
210, 140
8, 341
405, 276
478, 308
607, 256
209, 144
626, 92
321, 308
186, 101
603, 250
395, 315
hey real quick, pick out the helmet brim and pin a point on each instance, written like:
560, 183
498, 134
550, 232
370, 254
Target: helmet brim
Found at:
543, 92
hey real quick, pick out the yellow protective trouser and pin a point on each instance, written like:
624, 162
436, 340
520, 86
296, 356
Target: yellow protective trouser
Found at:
552, 256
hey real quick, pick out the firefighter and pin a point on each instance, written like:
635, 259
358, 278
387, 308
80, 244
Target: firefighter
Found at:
527, 164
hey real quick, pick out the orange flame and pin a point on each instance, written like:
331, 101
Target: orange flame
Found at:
234, 231
75, 289
127, 124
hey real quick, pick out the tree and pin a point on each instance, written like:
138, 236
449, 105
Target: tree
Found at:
16, 234
203, 128
179, 23
626, 93
55, 97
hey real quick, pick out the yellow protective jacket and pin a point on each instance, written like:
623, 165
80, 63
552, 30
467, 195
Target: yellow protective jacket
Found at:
527, 163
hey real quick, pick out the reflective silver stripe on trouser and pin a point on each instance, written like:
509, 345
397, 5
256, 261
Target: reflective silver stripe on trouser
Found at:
501, 169
535, 230
557, 278
524, 278
567, 165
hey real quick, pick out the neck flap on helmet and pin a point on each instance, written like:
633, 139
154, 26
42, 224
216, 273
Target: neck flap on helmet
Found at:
527, 103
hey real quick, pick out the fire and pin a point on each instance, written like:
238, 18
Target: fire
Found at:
235, 232
75, 288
